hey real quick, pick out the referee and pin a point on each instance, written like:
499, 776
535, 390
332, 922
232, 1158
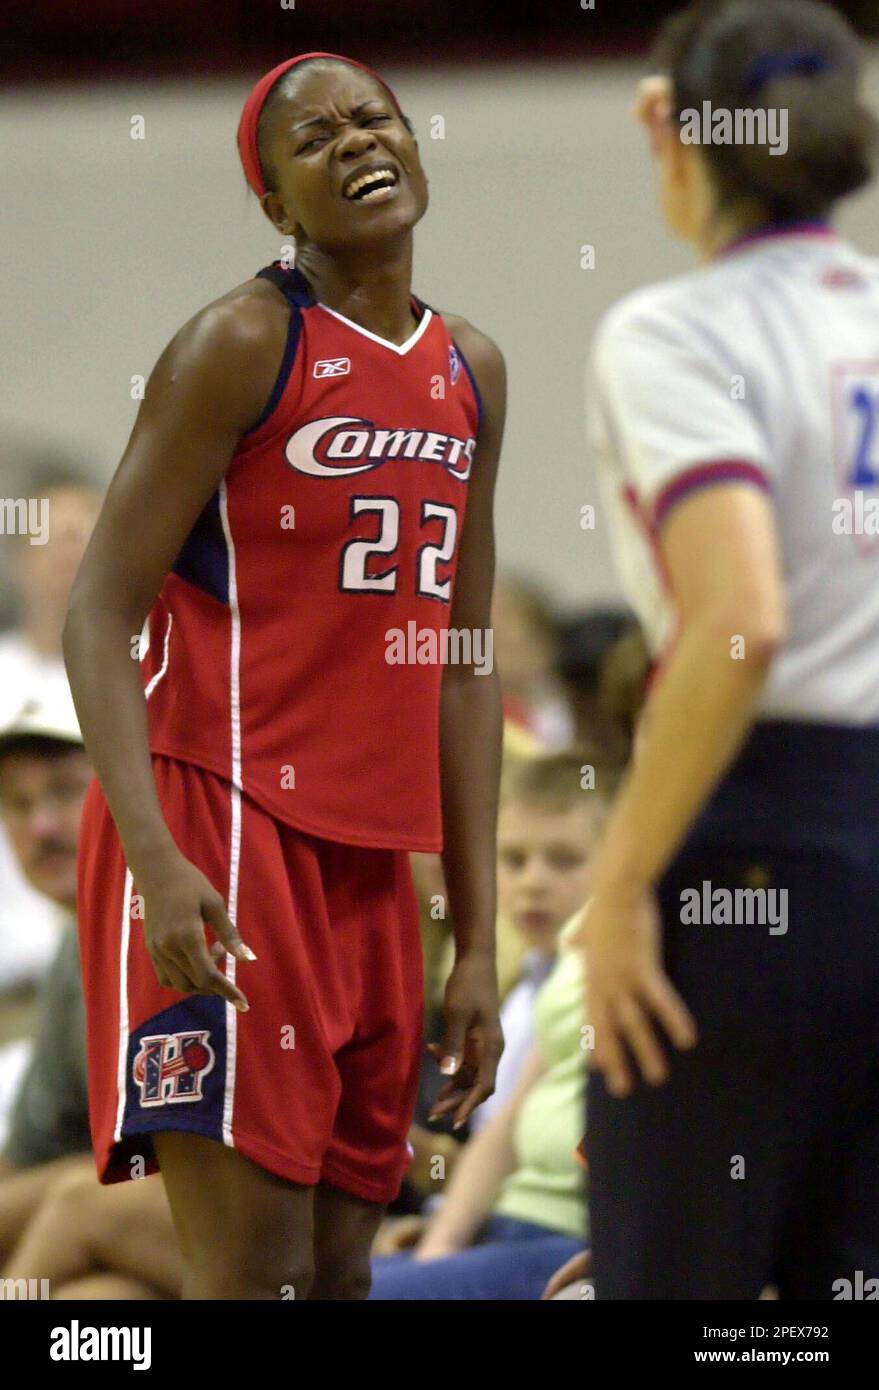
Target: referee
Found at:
732, 938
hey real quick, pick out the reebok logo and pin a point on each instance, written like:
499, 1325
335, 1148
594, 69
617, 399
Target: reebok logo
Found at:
333, 366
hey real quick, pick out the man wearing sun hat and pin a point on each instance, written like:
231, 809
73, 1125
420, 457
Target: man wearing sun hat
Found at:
44, 775
56, 1221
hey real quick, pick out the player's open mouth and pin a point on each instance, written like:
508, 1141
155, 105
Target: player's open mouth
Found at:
376, 186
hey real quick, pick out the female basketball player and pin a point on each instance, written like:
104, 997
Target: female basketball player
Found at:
290, 511
732, 940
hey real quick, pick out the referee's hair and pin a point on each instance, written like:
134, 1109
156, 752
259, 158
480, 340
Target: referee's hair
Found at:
801, 56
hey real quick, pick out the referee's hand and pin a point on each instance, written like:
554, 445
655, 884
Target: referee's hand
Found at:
630, 1001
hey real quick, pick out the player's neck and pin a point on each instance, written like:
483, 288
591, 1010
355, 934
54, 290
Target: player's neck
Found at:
370, 287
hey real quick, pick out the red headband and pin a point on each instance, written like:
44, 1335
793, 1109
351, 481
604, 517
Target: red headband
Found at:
247, 126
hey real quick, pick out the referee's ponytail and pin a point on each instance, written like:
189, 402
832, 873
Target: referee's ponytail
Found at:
797, 56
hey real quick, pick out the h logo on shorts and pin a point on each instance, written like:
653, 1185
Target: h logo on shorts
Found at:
170, 1067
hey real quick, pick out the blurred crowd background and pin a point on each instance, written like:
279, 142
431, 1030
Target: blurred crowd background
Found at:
111, 244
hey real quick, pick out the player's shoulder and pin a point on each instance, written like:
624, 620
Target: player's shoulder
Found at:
251, 317
484, 357
229, 352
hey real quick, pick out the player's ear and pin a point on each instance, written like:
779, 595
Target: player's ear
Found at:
277, 213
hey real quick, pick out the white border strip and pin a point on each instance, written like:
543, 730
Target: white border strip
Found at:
164, 666
231, 1011
122, 1058
400, 348
235, 811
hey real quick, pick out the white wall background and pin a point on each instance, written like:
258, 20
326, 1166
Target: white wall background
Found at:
110, 244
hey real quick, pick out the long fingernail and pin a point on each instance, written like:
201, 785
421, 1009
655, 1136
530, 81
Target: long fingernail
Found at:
242, 1006
448, 1066
246, 953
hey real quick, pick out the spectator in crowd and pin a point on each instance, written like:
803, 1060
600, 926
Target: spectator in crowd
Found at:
25, 460
101, 1243
44, 773
45, 533
436, 927
572, 1281
546, 828
438, 946
546, 825
515, 1209
46, 541
525, 650
56, 1221
603, 666
623, 679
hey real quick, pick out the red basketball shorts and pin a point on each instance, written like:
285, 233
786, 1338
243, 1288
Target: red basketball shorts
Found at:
317, 1081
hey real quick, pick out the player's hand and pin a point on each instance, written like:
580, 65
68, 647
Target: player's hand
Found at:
653, 108
178, 902
627, 991
471, 1048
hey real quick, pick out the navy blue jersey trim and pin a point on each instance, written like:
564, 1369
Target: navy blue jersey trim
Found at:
422, 304
294, 288
204, 558
290, 281
466, 365
290, 349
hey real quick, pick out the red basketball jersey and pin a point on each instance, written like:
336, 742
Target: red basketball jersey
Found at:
327, 552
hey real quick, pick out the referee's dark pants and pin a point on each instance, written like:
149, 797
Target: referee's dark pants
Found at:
758, 1161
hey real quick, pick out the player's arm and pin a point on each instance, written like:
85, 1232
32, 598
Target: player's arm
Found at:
471, 725
208, 387
722, 552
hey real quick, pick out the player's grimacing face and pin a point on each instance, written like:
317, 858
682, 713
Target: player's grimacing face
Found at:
347, 171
